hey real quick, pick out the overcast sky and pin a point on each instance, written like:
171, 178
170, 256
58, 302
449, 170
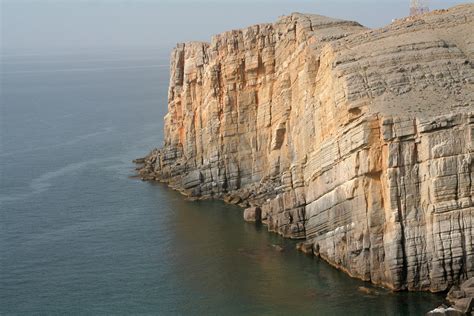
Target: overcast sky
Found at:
46, 26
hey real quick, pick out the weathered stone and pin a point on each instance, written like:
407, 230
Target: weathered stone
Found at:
455, 293
462, 297
464, 305
304, 247
253, 214
360, 142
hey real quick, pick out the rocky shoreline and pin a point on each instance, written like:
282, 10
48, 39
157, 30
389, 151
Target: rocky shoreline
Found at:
358, 142
461, 299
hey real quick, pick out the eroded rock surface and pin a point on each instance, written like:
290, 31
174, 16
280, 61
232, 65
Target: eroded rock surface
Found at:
360, 142
462, 297
462, 300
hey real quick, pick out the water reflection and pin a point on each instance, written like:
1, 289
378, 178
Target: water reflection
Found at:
235, 267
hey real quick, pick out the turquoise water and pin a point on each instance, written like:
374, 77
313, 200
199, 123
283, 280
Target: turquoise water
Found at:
79, 236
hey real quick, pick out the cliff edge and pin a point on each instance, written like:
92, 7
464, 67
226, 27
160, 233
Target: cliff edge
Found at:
359, 142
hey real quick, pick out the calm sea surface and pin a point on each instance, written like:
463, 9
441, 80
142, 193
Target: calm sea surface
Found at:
78, 236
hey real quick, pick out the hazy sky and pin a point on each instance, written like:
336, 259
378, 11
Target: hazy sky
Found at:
57, 26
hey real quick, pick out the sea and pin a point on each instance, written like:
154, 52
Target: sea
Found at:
79, 235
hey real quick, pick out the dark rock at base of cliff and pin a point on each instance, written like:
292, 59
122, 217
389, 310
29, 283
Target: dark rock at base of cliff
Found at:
305, 247
462, 300
139, 161
462, 297
253, 214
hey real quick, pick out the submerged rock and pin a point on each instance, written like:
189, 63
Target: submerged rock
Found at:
367, 291
305, 247
278, 248
358, 141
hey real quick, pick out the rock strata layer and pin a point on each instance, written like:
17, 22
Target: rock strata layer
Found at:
359, 142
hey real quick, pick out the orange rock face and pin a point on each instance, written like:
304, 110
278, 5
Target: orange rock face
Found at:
360, 142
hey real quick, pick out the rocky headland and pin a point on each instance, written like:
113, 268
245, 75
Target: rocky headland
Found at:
359, 142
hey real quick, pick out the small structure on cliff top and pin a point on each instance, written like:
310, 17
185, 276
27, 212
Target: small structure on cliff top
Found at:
418, 7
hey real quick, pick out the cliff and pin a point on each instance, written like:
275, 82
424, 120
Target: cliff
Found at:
359, 142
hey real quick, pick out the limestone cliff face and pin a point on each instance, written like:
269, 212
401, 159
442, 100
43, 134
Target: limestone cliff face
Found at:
360, 142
